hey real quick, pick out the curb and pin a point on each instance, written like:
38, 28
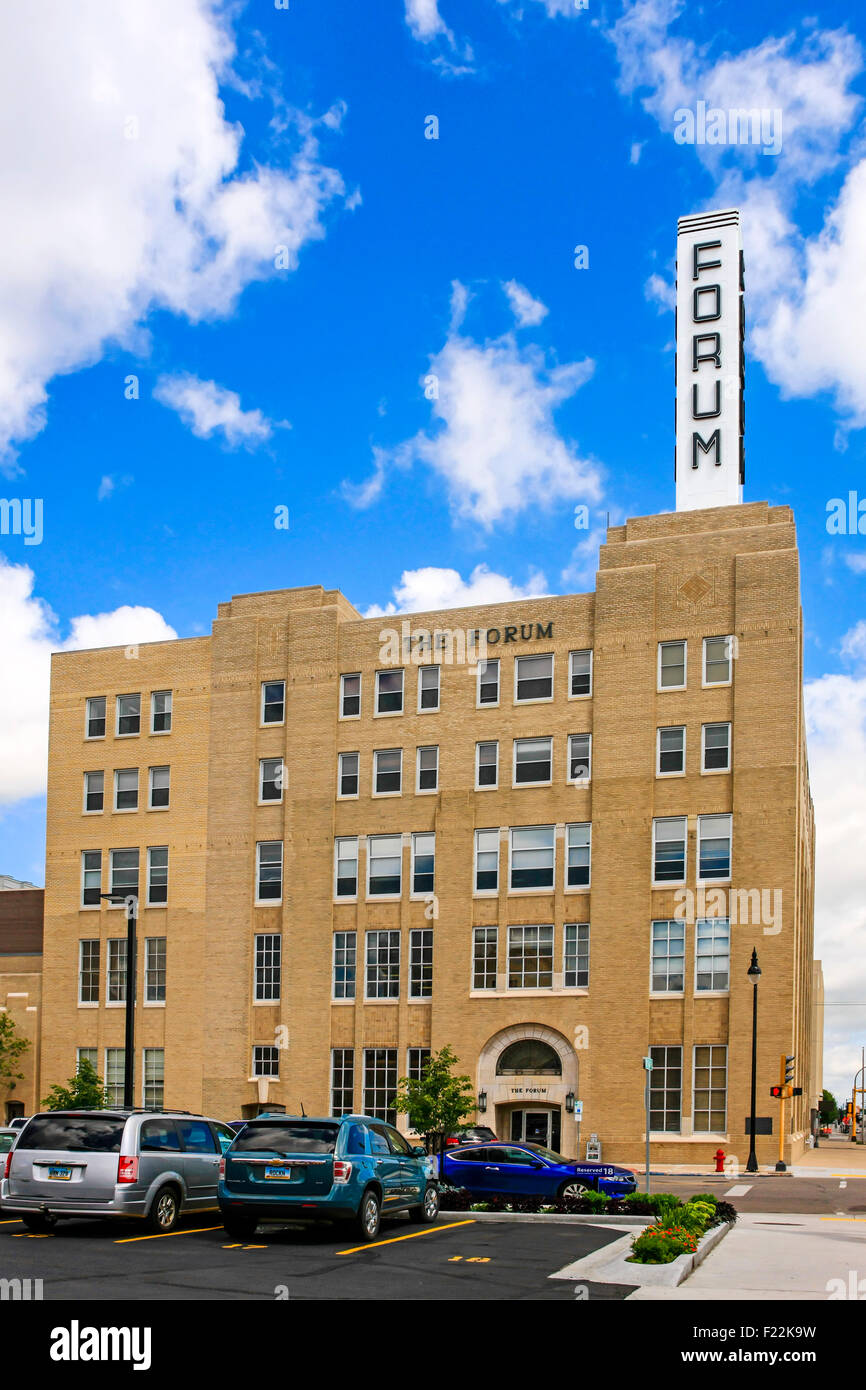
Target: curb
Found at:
611, 1266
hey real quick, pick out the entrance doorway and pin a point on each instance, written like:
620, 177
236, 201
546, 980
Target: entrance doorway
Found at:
538, 1127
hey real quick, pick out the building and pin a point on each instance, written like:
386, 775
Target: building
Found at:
21, 911
351, 845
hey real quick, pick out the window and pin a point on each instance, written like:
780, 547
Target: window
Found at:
577, 854
380, 1082
154, 969
383, 965
271, 778
94, 791
387, 771
530, 957
269, 871
579, 757
532, 856
273, 702
346, 867
389, 692
128, 715
486, 764
417, 1060
384, 866
716, 748
421, 963
91, 877
579, 673
126, 789
350, 696
342, 1081
575, 955
345, 951
486, 861
160, 712
533, 678
428, 688
714, 847
95, 717
488, 682
87, 1054
711, 1089
666, 1089
672, 665
533, 761
115, 1065
157, 875
266, 1062
427, 769
153, 1073
348, 773
88, 971
669, 849
671, 750
158, 788
712, 954
423, 863
123, 871
717, 660
668, 956
116, 976
484, 946
269, 955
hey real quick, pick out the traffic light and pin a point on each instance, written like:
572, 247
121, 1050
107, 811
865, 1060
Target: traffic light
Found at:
776, 1092
786, 1076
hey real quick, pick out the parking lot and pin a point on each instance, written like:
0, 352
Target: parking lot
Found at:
459, 1258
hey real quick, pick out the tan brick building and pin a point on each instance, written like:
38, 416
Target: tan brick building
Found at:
497, 862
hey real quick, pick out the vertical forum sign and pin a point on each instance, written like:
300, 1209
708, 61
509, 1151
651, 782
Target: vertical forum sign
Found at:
710, 370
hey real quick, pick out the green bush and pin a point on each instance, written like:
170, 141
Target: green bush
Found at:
697, 1216
659, 1245
705, 1197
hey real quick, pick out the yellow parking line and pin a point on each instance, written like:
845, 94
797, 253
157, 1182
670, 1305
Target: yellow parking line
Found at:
13, 1221
843, 1218
430, 1231
193, 1231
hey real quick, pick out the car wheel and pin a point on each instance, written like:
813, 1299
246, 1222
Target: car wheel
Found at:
164, 1212
573, 1189
429, 1208
369, 1215
240, 1227
39, 1223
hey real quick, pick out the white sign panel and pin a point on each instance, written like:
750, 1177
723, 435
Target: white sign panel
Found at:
710, 374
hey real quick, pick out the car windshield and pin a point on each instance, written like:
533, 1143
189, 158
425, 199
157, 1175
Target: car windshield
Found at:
286, 1137
74, 1133
549, 1154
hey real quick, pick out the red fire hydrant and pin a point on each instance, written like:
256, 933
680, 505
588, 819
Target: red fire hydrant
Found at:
719, 1156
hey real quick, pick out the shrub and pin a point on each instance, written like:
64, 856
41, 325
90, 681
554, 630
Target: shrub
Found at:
454, 1199
696, 1216
724, 1212
705, 1197
659, 1245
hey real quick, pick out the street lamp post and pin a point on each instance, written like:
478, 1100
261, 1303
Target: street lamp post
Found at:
754, 974
130, 902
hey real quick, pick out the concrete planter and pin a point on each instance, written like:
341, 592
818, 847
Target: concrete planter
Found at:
611, 1265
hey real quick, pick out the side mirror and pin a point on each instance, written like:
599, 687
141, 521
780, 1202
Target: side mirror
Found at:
419, 1151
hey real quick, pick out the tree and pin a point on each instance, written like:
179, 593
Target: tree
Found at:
12, 1047
84, 1091
828, 1110
437, 1101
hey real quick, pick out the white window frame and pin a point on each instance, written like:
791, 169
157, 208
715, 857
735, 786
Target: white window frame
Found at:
524, 927
714, 815
123, 849
727, 638
390, 932
161, 733
430, 709
667, 922
671, 642
342, 1080
345, 840
670, 882
579, 651
425, 894
577, 887
578, 939
149, 872
349, 753
148, 951
486, 786
713, 991
271, 723
148, 1079
384, 897
414, 934
377, 753
535, 888
127, 695
269, 902
714, 771
120, 944
96, 772
476, 930
390, 713
90, 1003
88, 736
126, 810
119, 1054
344, 676
535, 699
488, 704
486, 892
723, 1047
83, 906
150, 771
579, 781
426, 748
344, 998
663, 728
276, 952
668, 1047
276, 800
541, 738
259, 1062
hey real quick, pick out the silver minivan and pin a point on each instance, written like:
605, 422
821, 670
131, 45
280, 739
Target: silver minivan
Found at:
141, 1163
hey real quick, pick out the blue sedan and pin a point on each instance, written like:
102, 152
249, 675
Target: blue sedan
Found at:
529, 1170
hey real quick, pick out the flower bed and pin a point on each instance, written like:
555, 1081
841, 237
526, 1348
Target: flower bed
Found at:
668, 1209
678, 1228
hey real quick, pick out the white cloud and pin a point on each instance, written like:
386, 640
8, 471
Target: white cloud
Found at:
425, 21
30, 634
428, 589
119, 117
527, 310
853, 643
857, 563
106, 487
207, 409
661, 292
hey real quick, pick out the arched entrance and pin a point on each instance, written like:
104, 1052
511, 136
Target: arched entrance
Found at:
527, 1071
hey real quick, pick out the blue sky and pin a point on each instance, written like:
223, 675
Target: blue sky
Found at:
146, 217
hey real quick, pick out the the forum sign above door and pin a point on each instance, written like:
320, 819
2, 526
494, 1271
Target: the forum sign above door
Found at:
710, 460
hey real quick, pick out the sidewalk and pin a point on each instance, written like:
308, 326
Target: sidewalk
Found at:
779, 1257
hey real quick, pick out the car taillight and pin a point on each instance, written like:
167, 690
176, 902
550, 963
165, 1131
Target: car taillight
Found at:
8, 1164
222, 1167
342, 1170
127, 1168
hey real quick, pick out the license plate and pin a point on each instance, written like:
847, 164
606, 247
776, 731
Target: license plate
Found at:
59, 1172
278, 1172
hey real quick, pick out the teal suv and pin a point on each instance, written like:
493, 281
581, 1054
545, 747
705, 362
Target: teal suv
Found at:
351, 1168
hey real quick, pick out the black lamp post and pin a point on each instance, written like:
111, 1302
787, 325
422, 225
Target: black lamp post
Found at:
754, 973
130, 902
